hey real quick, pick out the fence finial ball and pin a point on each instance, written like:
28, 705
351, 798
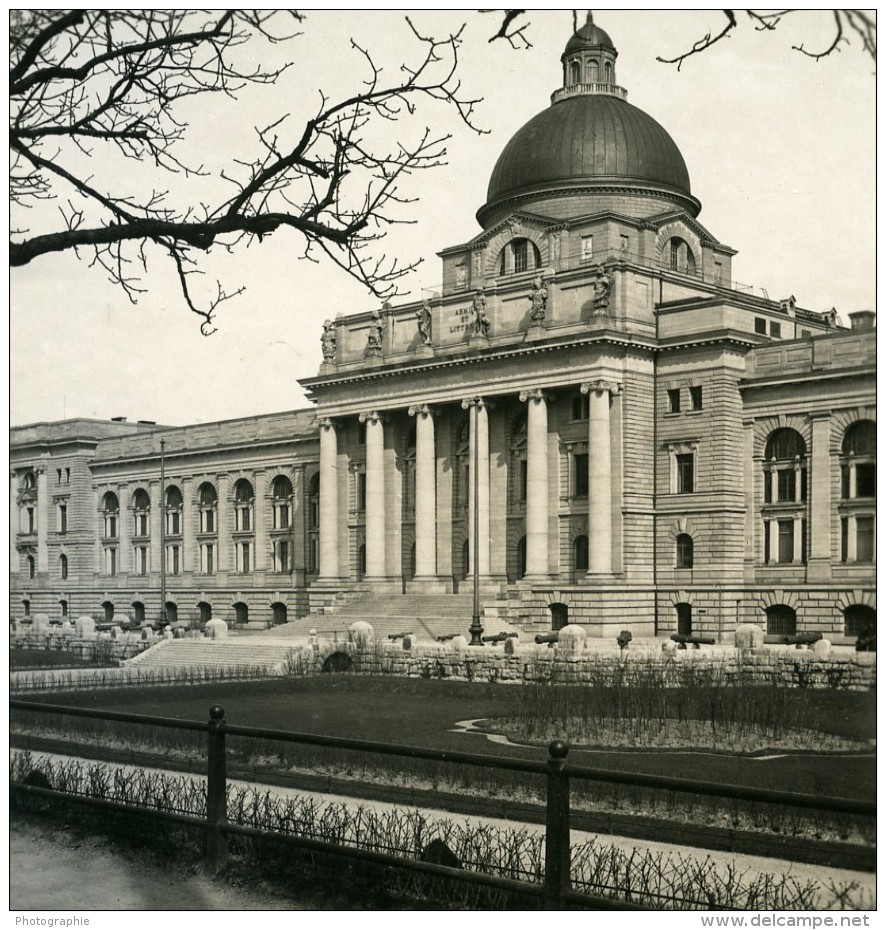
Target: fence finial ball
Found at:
558, 749
216, 712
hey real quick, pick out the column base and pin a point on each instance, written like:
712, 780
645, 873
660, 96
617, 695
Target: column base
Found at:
429, 584
382, 584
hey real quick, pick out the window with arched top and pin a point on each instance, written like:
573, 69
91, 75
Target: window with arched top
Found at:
138, 612
205, 609
108, 609
607, 72
519, 255
685, 553
575, 72
859, 620
279, 613
592, 72
110, 513
174, 506
281, 499
781, 620
784, 465
63, 566
32, 566
859, 461
141, 510
207, 499
677, 256
244, 500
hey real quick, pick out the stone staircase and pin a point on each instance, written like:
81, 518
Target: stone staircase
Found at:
426, 616
237, 652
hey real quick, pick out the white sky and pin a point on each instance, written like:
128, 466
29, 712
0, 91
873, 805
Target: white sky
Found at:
780, 151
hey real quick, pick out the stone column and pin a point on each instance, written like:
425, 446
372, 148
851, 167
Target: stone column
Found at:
124, 516
599, 477
188, 510
425, 492
479, 449
13, 522
155, 518
851, 538
328, 500
260, 487
773, 541
773, 485
536, 483
43, 505
798, 538
223, 526
299, 525
375, 494
853, 481
819, 493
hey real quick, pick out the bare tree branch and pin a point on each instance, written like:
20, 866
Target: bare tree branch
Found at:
515, 37
704, 43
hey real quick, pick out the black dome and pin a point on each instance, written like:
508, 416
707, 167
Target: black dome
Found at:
589, 36
589, 137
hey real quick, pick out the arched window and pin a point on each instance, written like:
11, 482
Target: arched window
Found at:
607, 72
208, 503
63, 566
592, 72
859, 620
281, 495
575, 72
205, 611
677, 255
684, 551
781, 620
110, 513
138, 612
580, 553
32, 566
108, 609
174, 504
521, 556
63, 607
684, 619
859, 462
784, 467
559, 616
171, 612
279, 613
141, 510
241, 614
519, 255
244, 499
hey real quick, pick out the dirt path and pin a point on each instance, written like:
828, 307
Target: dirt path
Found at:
50, 868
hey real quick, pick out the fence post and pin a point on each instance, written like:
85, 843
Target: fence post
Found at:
557, 857
216, 791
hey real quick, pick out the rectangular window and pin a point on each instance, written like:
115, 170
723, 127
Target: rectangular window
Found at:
625, 242
314, 556
243, 557
775, 330
695, 397
674, 401
785, 540
787, 484
522, 480
767, 552
521, 255
207, 559
587, 248
844, 539
760, 325
67, 476
866, 480
173, 560
283, 556
30, 520
314, 513
63, 518
718, 272
282, 516
64, 607
58, 471
173, 523
864, 539
361, 491
803, 555
581, 406
141, 524
110, 561
686, 473
461, 276
580, 466
141, 560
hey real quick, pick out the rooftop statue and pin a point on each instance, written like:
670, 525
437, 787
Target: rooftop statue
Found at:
423, 315
328, 341
481, 321
539, 299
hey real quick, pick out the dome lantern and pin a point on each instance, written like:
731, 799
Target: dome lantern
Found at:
589, 64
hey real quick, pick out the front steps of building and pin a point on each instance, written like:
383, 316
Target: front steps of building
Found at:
426, 616
238, 652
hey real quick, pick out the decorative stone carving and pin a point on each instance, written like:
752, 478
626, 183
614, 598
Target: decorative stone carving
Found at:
376, 336
535, 394
602, 291
538, 297
422, 410
481, 321
328, 341
425, 323
600, 386
469, 402
516, 224
555, 248
369, 416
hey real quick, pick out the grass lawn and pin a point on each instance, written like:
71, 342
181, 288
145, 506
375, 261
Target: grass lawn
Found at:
419, 712
22, 659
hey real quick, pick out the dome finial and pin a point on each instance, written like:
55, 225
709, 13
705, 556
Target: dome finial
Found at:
590, 18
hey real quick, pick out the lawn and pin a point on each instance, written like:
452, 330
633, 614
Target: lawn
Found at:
423, 713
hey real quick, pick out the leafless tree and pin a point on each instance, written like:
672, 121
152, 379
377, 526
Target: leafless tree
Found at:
87, 86
847, 23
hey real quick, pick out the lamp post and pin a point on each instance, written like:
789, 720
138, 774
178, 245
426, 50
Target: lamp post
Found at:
476, 630
163, 532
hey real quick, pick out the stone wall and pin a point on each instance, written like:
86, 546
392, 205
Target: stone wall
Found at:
94, 647
843, 669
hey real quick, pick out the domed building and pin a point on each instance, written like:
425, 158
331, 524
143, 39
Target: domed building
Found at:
588, 415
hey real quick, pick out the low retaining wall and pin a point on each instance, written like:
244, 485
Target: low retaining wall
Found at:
790, 668
92, 647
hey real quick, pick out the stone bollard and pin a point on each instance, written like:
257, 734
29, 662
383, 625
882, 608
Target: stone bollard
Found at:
669, 647
168, 634
572, 639
459, 643
361, 634
115, 632
511, 644
40, 623
85, 626
821, 647
216, 629
408, 642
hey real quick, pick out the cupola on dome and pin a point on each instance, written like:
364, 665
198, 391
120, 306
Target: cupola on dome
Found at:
590, 141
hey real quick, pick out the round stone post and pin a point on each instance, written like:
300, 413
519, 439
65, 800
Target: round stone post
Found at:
425, 493
375, 494
328, 500
536, 483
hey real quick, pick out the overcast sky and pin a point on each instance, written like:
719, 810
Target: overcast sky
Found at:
780, 150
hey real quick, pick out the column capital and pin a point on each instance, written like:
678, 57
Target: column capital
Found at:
536, 394
39, 470
423, 410
370, 416
325, 423
600, 386
469, 402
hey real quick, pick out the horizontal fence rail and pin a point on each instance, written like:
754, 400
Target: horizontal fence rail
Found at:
556, 889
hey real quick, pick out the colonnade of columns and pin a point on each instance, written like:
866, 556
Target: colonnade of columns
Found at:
333, 520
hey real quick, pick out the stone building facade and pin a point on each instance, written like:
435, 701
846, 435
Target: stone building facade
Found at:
639, 442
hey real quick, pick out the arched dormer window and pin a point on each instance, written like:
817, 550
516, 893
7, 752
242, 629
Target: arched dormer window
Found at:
677, 256
519, 255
